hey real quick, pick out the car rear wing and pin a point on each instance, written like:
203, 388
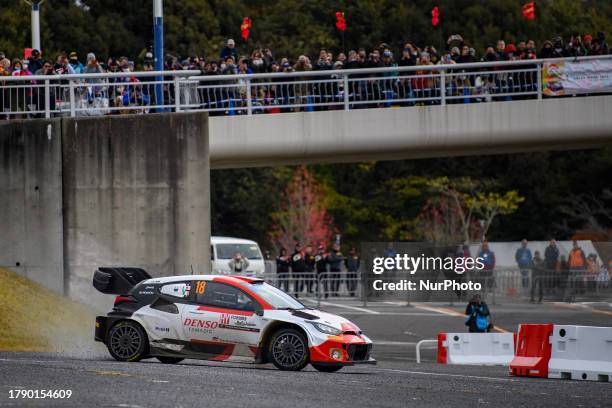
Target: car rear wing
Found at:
118, 281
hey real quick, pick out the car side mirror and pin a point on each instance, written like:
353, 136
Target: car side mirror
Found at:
259, 312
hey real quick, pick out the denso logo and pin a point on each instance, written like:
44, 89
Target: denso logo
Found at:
205, 324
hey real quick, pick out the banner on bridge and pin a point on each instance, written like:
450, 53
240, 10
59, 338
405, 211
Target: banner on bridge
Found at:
568, 78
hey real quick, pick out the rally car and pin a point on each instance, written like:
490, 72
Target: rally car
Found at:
221, 318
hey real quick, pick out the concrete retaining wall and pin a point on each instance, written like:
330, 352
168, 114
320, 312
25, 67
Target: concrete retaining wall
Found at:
78, 193
135, 193
31, 200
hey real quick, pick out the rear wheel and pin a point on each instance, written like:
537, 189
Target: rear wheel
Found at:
170, 360
326, 368
127, 341
288, 350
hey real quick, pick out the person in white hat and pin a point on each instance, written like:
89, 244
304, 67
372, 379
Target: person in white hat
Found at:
229, 51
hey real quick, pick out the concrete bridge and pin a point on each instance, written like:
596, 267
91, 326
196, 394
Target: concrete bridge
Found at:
410, 132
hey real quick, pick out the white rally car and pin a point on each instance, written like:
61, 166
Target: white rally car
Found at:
221, 318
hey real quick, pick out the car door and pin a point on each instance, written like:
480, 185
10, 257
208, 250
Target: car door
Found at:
223, 314
163, 315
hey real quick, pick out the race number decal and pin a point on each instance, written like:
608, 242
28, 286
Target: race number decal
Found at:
200, 287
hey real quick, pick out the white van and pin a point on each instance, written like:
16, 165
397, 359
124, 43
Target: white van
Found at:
223, 249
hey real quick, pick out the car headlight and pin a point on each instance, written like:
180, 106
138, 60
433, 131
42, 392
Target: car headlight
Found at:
324, 328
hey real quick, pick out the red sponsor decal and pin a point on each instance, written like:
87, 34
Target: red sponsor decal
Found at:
205, 324
225, 319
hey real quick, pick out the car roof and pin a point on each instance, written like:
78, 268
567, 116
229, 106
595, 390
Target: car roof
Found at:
221, 278
231, 240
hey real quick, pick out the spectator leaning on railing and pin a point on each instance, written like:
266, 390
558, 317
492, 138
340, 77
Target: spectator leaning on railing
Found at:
413, 87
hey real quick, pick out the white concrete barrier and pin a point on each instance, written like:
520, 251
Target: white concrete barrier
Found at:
479, 348
581, 353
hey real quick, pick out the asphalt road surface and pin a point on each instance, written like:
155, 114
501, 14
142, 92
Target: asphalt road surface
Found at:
397, 381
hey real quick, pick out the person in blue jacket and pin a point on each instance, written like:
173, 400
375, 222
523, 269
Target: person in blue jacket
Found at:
479, 316
488, 259
523, 259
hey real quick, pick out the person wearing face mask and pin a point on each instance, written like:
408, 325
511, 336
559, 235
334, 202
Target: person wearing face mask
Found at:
558, 50
5, 65
35, 61
257, 64
18, 98
74, 62
547, 50
238, 264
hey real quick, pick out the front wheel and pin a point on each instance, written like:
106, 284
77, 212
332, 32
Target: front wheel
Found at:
170, 360
327, 368
288, 350
127, 341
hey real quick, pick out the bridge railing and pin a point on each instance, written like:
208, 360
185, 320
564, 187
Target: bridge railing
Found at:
142, 92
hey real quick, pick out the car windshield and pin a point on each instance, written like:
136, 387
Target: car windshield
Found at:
275, 297
227, 251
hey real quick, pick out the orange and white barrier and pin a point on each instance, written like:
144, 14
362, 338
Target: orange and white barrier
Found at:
476, 348
581, 353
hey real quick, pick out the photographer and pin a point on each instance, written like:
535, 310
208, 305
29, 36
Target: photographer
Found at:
39, 93
479, 316
238, 263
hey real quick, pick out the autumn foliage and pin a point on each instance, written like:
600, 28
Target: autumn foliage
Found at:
302, 215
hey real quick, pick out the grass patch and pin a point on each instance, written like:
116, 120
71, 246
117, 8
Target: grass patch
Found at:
33, 318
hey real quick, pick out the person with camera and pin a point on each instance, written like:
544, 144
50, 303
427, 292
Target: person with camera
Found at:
282, 269
298, 266
238, 264
39, 93
479, 316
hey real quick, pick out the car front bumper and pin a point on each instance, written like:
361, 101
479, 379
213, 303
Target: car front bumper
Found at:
352, 349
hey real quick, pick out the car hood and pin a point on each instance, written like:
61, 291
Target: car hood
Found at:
314, 315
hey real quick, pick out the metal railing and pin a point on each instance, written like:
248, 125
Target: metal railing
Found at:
175, 91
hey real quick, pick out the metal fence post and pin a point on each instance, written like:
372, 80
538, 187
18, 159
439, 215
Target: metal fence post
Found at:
72, 99
346, 91
248, 96
177, 94
47, 99
442, 87
539, 80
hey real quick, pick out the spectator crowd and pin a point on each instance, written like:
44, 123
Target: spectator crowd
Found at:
419, 86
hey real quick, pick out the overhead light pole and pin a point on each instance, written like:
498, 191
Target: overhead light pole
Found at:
35, 22
158, 49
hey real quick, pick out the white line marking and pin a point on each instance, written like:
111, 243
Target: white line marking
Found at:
396, 314
449, 375
359, 309
441, 310
393, 343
